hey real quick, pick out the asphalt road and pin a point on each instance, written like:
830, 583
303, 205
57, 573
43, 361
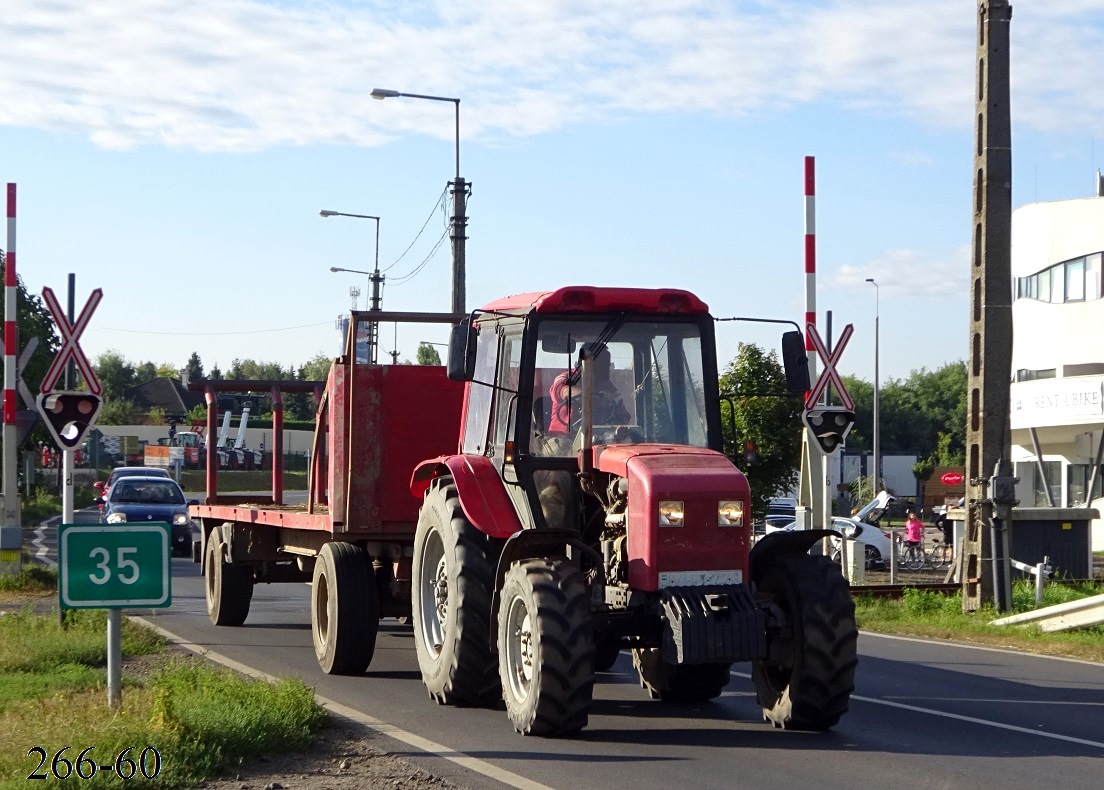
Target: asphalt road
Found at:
924, 715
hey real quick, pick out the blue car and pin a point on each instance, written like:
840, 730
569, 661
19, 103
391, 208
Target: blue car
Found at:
138, 499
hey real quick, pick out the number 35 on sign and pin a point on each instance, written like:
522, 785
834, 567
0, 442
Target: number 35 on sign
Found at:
114, 567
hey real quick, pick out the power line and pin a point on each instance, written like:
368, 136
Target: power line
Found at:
439, 205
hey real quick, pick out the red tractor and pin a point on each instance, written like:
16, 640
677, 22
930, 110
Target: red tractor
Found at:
590, 510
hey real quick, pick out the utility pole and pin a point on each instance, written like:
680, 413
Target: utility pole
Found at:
989, 500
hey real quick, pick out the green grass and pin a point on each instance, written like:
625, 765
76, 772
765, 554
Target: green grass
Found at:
929, 614
34, 578
43, 504
201, 719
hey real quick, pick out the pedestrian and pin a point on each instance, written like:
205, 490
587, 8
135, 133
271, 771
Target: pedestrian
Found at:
914, 530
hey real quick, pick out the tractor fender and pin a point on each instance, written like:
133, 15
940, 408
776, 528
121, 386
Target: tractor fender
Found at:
783, 543
530, 544
482, 494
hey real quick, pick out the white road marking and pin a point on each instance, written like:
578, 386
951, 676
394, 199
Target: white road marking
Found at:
969, 719
42, 553
382, 727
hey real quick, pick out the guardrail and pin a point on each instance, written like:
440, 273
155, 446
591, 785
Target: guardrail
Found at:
1063, 617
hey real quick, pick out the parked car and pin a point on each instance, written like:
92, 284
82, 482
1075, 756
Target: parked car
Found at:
861, 527
136, 499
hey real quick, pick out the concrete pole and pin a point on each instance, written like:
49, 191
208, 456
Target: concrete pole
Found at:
70, 385
114, 659
988, 436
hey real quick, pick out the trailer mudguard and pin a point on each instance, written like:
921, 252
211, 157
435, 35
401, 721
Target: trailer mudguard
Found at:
782, 543
482, 494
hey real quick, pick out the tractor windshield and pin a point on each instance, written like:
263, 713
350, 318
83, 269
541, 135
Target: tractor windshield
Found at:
648, 384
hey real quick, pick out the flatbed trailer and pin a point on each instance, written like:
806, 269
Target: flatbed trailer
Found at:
354, 535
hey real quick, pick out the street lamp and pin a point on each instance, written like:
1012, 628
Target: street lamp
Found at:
374, 277
459, 192
877, 448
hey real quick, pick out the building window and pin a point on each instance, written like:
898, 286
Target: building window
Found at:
1023, 374
1077, 477
1031, 483
1076, 280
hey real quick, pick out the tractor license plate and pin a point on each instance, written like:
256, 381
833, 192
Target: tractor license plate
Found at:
698, 578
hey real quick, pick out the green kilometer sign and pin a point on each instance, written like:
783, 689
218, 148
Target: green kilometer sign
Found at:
114, 566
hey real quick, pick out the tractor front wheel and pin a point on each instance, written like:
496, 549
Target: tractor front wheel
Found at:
451, 601
807, 678
546, 647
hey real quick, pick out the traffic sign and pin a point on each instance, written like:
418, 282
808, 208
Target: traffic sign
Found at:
829, 425
106, 566
952, 479
70, 348
69, 415
829, 374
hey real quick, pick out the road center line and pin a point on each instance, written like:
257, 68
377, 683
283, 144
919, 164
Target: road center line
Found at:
969, 719
410, 739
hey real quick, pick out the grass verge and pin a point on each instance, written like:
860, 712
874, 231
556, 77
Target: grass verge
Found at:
34, 578
201, 720
929, 614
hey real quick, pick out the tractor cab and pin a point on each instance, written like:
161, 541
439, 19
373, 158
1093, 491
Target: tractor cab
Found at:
554, 375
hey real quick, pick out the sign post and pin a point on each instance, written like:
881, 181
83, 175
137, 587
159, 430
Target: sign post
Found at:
113, 567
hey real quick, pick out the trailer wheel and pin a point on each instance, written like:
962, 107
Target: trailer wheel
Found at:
806, 681
451, 602
344, 609
546, 647
679, 682
228, 587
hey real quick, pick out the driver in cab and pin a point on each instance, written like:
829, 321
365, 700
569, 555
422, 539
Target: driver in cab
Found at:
607, 405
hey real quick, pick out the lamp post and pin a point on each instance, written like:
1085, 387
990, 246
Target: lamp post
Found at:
374, 277
459, 193
877, 447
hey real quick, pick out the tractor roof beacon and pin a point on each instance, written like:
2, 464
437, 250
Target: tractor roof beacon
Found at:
566, 529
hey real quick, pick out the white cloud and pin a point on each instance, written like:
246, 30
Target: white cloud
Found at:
910, 273
246, 75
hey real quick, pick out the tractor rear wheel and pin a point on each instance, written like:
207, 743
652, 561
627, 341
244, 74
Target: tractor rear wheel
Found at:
546, 647
451, 601
344, 609
679, 682
806, 681
228, 587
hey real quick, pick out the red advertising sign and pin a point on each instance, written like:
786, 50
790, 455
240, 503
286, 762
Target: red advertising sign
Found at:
952, 479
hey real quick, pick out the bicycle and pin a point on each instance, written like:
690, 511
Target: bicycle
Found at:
910, 556
941, 554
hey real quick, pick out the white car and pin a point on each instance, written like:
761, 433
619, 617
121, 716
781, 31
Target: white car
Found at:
856, 528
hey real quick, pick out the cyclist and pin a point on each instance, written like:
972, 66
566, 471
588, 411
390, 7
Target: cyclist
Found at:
914, 531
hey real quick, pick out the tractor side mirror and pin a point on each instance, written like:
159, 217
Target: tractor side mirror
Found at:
461, 351
796, 362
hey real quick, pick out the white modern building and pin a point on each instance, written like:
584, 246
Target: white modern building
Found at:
1057, 397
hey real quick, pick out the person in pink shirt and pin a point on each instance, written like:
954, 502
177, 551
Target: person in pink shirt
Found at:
914, 531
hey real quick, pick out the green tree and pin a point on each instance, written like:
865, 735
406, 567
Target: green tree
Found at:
147, 371
118, 411
427, 355
156, 416
33, 320
167, 371
194, 368
772, 422
216, 372
116, 374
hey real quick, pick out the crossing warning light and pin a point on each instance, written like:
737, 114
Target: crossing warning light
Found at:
69, 415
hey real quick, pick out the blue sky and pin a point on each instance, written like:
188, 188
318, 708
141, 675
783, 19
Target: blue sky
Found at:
176, 155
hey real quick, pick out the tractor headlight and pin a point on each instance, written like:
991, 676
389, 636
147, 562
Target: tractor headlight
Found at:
180, 518
117, 518
671, 513
730, 513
